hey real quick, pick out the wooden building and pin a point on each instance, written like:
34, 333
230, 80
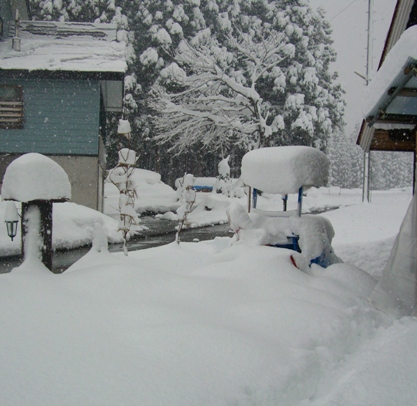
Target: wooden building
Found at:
391, 118
57, 81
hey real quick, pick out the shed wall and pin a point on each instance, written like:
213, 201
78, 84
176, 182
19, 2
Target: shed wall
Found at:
60, 117
6, 14
85, 177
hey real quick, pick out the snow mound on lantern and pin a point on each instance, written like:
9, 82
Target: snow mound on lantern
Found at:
35, 177
284, 170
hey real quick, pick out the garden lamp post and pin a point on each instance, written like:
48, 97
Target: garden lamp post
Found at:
37, 182
11, 218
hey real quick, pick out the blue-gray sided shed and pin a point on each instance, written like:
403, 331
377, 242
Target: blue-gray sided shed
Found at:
56, 85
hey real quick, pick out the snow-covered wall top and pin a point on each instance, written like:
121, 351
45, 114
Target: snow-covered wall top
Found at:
284, 170
405, 48
35, 177
63, 46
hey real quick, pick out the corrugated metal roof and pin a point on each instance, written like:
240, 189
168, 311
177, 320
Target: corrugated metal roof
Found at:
391, 101
403, 105
398, 25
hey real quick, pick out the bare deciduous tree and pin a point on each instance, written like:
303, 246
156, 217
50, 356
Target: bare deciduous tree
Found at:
217, 103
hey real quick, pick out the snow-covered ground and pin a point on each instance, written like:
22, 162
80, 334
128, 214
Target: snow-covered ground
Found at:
211, 323
73, 224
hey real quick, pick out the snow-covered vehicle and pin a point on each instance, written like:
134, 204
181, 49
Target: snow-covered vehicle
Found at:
285, 171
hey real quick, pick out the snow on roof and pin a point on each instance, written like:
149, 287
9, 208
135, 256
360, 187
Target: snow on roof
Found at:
394, 63
284, 170
35, 177
63, 46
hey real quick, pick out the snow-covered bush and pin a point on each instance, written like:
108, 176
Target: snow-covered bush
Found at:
187, 198
121, 177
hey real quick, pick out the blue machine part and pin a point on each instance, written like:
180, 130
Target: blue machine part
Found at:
291, 244
321, 260
203, 188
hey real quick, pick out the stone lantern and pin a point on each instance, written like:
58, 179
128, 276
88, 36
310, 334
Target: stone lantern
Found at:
37, 182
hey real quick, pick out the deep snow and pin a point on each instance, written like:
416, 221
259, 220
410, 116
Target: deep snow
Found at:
214, 323
44, 180
284, 170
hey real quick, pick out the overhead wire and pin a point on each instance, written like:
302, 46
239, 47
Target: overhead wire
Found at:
340, 12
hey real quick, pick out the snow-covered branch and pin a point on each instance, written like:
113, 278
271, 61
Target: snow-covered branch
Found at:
212, 99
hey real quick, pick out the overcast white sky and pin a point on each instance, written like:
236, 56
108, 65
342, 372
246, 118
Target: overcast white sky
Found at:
349, 20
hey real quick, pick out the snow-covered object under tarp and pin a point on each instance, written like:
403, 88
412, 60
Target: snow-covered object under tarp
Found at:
284, 170
396, 291
315, 233
35, 177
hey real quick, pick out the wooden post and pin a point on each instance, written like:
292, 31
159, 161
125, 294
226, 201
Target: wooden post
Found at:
366, 176
254, 198
45, 232
300, 201
415, 165
284, 202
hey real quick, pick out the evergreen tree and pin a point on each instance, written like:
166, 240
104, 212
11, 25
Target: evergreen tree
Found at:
391, 169
346, 160
73, 10
388, 169
304, 100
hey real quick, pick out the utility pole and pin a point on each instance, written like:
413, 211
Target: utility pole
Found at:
367, 154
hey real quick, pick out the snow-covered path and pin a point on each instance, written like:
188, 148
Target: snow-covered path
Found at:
212, 323
381, 372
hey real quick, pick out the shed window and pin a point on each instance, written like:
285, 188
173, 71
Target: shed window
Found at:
11, 106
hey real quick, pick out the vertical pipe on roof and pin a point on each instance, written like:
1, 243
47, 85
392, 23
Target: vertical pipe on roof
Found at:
366, 154
369, 42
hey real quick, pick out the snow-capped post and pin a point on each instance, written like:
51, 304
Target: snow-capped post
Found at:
16, 38
188, 197
121, 177
37, 181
